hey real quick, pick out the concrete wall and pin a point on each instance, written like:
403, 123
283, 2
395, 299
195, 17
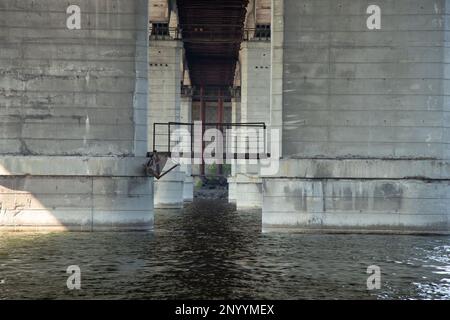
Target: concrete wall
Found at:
186, 117
352, 92
376, 98
255, 63
70, 92
396, 196
67, 96
235, 118
255, 81
164, 105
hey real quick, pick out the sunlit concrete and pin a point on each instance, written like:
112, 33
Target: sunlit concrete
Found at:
73, 117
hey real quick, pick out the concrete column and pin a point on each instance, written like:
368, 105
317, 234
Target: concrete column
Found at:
186, 117
164, 106
235, 118
73, 108
362, 113
255, 62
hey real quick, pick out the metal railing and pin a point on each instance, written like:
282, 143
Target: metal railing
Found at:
239, 140
211, 34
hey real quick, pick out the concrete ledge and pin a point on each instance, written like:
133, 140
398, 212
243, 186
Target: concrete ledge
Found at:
83, 203
363, 169
72, 166
249, 193
232, 190
49, 229
169, 191
244, 178
352, 205
289, 229
188, 189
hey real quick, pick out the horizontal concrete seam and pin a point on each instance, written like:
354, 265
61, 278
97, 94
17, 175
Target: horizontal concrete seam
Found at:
62, 139
81, 176
396, 63
63, 28
396, 142
117, 195
360, 213
78, 209
117, 92
98, 43
367, 31
67, 77
75, 122
438, 110
348, 230
281, 196
366, 125
59, 107
353, 78
343, 178
105, 60
289, 91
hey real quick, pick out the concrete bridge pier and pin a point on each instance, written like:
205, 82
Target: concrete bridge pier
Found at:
255, 68
235, 118
363, 119
41, 193
186, 117
165, 75
73, 117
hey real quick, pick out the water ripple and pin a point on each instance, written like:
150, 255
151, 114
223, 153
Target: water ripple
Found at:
209, 251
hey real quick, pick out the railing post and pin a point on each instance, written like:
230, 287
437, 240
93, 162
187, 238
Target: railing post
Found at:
168, 138
154, 137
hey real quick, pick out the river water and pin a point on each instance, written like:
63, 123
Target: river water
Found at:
209, 251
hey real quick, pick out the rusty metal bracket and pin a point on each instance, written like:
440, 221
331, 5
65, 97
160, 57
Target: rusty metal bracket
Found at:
156, 163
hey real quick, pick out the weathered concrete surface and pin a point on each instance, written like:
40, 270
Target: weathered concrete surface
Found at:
357, 205
165, 75
372, 105
249, 192
255, 66
186, 117
427, 170
232, 189
354, 93
255, 81
188, 189
73, 122
81, 203
165, 106
169, 191
235, 118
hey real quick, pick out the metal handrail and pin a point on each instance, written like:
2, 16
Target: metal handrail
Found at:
166, 135
212, 33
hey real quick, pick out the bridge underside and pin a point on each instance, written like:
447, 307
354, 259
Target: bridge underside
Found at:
212, 32
356, 118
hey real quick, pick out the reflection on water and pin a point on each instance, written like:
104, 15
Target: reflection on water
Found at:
211, 252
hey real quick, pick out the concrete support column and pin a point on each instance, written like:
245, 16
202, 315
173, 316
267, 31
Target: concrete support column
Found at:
364, 137
165, 76
255, 62
73, 109
235, 118
186, 117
